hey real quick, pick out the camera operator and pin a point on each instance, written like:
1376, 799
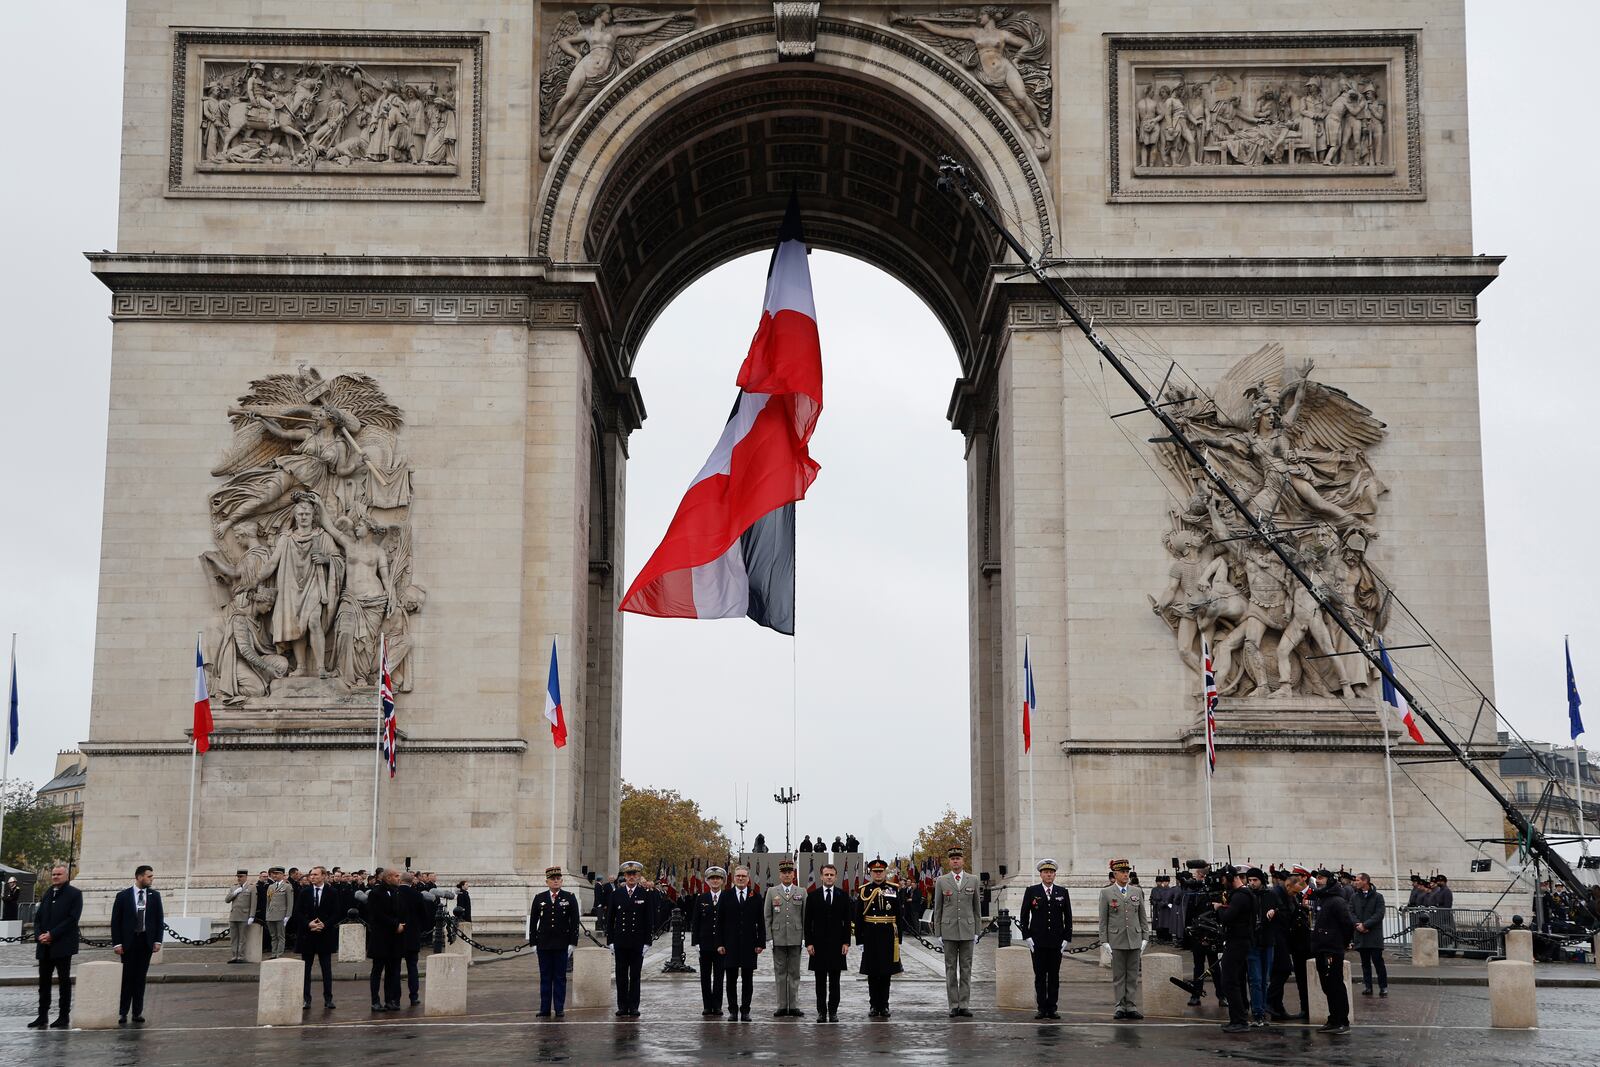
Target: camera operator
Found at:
1238, 915
1331, 931
1200, 891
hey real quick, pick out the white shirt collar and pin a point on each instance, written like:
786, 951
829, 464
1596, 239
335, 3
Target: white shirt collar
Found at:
137, 891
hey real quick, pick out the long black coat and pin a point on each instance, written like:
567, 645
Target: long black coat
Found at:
464, 905
1046, 916
330, 911
1367, 908
1238, 916
553, 923
1331, 924
57, 915
417, 914
827, 929
741, 928
385, 913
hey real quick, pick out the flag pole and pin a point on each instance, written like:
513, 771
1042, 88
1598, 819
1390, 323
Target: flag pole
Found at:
1033, 847
377, 751
1388, 781
194, 762
553, 751
1211, 837
1577, 785
1577, 728
5, 759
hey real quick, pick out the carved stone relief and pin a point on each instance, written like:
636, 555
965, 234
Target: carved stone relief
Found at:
590, 47
795, 27
1295, 450
1005, 49
312, 530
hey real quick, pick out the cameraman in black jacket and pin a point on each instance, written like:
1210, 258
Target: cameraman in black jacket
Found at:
1291, 945
1238, 917
1331, 930
1198, 897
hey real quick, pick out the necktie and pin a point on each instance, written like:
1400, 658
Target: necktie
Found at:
141, 911
827, 898
316, 898
741, 896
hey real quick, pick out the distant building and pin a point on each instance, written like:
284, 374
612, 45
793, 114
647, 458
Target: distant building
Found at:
1527, 768
65, 792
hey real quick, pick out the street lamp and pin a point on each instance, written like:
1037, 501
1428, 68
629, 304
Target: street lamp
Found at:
786, 796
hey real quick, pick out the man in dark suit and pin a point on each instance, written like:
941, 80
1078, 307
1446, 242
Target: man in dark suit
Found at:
630, 922
137, 924
316, 916
742, 937
553, 929
260, 913
1046, 926
386, 924
55, 926
417, 916
828, 918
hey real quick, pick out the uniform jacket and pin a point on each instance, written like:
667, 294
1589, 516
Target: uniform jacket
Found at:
741, 927
877, 927
57, 915
553, 923
955, 908
631, 920
125, 921
827, 928
241, 902
785, 914
705, 920
1122, 921
1046, 916
280, 900
1331, 924
1367, 908
330, 911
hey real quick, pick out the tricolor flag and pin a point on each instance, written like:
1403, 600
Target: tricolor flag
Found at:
729, 550
552, 702
1392, 697
202, 704
388, 731
1574, 701
1028, 699
1211, 706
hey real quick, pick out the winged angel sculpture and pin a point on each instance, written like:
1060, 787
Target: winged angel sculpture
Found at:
1006, 50
312, 564
587, 51
1296, 450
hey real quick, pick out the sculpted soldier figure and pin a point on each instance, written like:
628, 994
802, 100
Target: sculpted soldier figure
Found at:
878, 934
785, 917
1046, 929
307, 568
995, 65
955, 919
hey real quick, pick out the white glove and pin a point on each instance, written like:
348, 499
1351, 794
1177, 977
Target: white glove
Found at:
1063, 948
975, 938
1144, 944
1029, 942
570, 950
250, 921
611, 949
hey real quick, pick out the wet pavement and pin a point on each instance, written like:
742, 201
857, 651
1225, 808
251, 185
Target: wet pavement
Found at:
202, 1022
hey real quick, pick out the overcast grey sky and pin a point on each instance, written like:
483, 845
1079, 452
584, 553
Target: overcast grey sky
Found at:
881, 654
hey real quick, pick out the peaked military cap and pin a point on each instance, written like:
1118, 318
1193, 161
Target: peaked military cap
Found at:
877, 863
786, 865
552, 872
716, 872
1046, 865
1121, 865
633, 866
955, 852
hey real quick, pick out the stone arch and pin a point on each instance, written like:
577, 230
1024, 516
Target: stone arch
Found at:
685, 161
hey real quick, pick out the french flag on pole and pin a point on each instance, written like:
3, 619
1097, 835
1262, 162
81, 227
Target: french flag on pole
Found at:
552, 702
1029, 701
1392, 697
202, 703
729, 550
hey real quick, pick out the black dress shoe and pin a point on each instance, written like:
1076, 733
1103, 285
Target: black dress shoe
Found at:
1041, 1015
122, 1020
561, 1015
1281, 1016
1194, 1002
377, 1006
62, 1023
1055, 1015
833, 1016
1383, 992
744, 1016
965, 1014
1367, 991
541, 1015
1235, 1028
305, 1002
796, 1013
1135, 1015
139, 1019
40, 1023
885, 1014
392, 1005
781, 1013
954, 1014
415, 1001
328, 1005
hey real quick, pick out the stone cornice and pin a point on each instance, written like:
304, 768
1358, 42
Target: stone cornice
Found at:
300, 739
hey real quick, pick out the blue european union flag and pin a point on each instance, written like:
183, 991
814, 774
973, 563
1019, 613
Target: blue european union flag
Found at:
1574, 701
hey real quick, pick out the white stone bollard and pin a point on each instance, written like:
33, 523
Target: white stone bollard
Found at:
1013, 979
96, 989
1157, 995
1424, 947
1317, 1002
278, 999
1519, 945
352, 943
1105, 956
591, 981
1512, 1003
460, 948
11, 928
253, 952
444, 984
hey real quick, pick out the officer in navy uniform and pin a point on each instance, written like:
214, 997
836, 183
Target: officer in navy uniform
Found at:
878, 934
1046, 927
704, 932
553, 929
630, 927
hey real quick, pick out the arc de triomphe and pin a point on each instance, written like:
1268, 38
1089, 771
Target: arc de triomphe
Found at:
382, 271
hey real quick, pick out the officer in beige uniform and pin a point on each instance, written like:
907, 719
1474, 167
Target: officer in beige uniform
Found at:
280, 908
786, 926
1123, 928
955, 919
241, 899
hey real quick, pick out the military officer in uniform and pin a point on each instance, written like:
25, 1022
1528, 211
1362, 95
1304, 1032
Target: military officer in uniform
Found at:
553, 929
703, 932
1123, 928
878, 934
630, 927
828, 917
785, 916
955, 920
1046, 930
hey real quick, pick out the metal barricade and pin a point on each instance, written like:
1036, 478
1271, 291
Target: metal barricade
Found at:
1467, 932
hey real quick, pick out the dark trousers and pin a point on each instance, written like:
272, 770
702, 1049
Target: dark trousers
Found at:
1372, 959
325, 957
135, 966
1232, 983
552, 980
741, 980
711, 982
1046, 974
1330, 970
1285, 963
629, 962
386, 979
878, 991
1203, 962
827, 992
62, 969
411, 974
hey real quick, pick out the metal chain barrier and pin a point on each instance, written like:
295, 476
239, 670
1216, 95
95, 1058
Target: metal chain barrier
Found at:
455, 930
192, 941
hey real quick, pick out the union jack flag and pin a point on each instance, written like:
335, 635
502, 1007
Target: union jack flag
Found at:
387, 740
1211, 708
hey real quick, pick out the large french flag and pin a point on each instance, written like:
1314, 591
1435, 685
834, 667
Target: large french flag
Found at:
552, 702
729, 550
202, 703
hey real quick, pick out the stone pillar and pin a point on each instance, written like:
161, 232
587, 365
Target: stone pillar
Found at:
1157, 995
1512, 1004
1318, 1003
591, 981
460, 948
1424, 947
95, 991
444, 989
352, 943
253, 951
279, 996
1519, 945
1013, 979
